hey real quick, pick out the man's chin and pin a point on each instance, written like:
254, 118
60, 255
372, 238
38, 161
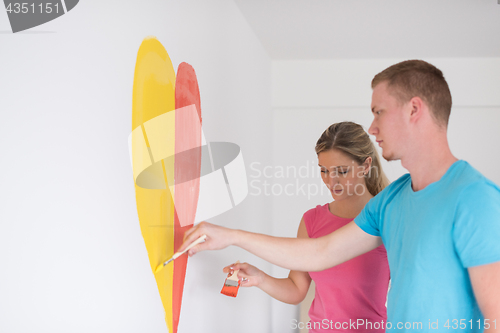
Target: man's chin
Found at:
388, 156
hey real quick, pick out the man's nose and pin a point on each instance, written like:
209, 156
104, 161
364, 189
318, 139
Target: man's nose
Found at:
373, 130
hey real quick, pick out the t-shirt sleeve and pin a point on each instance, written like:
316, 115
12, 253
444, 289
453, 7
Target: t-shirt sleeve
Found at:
369, 218
476, 230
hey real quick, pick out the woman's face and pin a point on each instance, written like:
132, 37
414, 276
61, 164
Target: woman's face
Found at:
341, 174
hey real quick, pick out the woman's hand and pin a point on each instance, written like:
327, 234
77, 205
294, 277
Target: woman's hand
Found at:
249, 275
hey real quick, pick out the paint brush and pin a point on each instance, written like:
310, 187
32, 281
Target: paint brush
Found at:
232, 284
176, 255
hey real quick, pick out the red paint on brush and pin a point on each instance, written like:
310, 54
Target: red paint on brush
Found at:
230, 290
187, 167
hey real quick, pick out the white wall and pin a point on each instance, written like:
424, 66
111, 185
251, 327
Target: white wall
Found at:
73, 258
308, 96
72, 255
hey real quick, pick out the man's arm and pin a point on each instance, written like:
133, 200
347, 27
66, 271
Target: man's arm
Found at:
485, 280
313, 254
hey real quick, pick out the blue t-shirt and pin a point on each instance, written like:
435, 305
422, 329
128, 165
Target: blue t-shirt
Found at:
432, 236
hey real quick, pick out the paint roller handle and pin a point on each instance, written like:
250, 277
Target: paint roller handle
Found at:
200, 239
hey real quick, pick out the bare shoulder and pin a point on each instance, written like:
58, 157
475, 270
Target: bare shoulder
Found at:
302, 232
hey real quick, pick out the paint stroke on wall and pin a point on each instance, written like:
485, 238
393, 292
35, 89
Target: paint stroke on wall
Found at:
154, 95
166, 155
180, 178
186, 172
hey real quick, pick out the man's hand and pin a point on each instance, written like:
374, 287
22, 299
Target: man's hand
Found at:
217, 238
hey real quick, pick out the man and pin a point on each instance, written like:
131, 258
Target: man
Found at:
440, 223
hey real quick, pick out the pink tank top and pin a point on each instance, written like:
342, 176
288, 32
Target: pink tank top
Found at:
350, 295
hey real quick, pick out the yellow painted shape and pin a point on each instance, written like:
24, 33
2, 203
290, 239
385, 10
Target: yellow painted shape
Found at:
161, 136
140, 157
153, 95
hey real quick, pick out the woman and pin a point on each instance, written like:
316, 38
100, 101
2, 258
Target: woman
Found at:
357, 289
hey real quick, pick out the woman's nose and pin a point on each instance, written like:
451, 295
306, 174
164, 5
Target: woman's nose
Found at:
333, 179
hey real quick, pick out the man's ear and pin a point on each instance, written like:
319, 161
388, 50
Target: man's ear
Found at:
416, 108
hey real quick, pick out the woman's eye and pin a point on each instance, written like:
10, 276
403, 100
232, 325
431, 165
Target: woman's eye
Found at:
323, 171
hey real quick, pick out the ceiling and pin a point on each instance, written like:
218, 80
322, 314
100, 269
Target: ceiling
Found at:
347, 29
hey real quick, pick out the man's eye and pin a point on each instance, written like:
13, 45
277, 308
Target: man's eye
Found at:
323, 171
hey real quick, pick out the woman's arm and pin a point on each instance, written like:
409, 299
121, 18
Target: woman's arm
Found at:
291, 290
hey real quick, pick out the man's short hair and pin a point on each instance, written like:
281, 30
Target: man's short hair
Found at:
411, 78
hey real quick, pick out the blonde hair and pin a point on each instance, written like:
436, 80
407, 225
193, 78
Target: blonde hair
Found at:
351, 139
